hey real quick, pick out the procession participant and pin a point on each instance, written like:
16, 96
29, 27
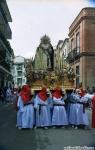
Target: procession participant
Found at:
78, 115
72, 109
41, 104
87, 99
83, 118
75, 116
93, 112
15, 95
26, 109
1, 96
50, 102
9, 95
82, 92
33, 95
59, 117
64, 95
67, 103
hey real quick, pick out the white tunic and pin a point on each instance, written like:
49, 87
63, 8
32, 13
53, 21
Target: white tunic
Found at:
43, 117
59, 116
77, 116
25, 115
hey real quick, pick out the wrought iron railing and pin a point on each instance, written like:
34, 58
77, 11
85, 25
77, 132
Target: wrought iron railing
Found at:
6, 43
73, 55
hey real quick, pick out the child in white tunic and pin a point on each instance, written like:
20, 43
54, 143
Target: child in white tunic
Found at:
26, 109
85, 99
78, 115
75, 115
59, 117
41, 104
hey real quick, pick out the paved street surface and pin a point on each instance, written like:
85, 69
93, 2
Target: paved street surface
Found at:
39, 139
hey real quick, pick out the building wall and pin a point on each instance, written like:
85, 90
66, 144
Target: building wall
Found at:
6, 52
90, 71
84, 24
89, 35
58, 56
61, 53
65, 51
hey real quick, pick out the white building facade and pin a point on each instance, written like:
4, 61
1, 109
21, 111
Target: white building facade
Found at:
19, 71
64, 52
60, 55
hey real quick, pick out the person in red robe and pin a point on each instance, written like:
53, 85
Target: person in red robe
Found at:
93, 112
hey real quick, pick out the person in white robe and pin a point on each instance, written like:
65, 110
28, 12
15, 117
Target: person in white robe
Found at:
85, 99
25, 116
41, 104
59, 117
9, 95
75, 115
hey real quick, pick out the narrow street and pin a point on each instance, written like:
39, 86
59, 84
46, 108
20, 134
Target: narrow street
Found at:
39, 139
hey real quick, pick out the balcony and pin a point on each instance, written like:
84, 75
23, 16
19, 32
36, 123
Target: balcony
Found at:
5, 29
5, 11
4, 43
73, 55
5, 64
4, 26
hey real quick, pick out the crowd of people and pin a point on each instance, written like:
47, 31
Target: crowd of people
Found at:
7, 94
56, 108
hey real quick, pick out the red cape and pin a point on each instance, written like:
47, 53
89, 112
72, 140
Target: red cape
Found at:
42, 94
25, 93
57, 93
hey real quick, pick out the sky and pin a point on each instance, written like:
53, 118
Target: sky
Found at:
31, 19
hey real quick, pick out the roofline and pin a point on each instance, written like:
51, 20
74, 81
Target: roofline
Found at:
19, 56
67, 39
82, 15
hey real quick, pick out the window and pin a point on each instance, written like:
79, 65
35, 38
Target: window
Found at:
72, 44
19, 67
19, 81
78, 42
77, 70
77, 82
19, 73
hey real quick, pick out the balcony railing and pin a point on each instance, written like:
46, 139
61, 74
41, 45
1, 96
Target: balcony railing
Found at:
6, 65
6, 30
6, 10
5, 42
4, 27
73, 55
